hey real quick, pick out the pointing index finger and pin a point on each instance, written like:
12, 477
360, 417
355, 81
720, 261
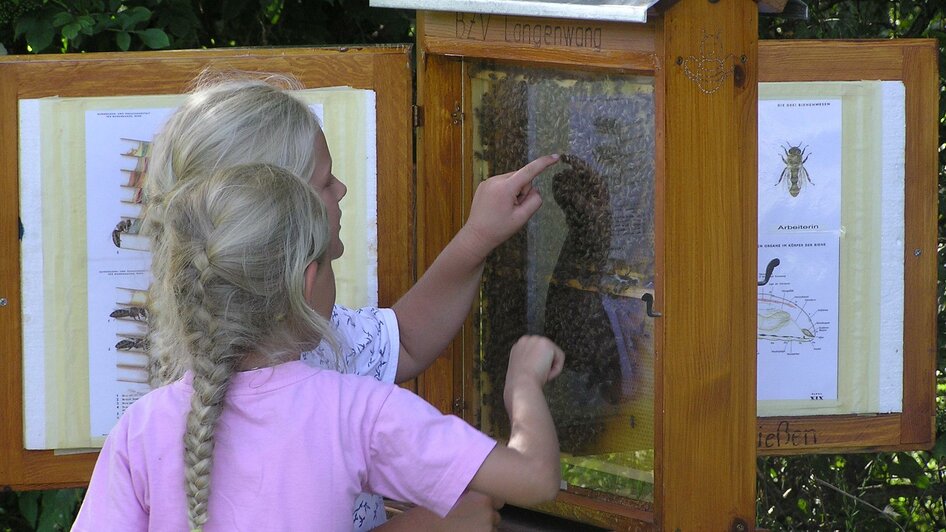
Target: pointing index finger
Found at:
527, 173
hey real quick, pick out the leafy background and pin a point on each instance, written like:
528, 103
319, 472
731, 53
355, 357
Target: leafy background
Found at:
869, 491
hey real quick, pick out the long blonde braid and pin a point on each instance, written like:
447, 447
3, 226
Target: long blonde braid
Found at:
238, 243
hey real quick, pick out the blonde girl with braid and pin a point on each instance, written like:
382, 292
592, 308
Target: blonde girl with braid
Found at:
233, 118
253, 438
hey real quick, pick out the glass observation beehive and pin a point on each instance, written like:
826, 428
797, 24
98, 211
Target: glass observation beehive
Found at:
579, 269
657, 166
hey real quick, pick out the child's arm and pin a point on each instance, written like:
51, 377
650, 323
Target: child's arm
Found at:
431, 313
526, 471
414, 453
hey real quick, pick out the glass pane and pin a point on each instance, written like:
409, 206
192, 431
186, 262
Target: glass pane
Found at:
577, 272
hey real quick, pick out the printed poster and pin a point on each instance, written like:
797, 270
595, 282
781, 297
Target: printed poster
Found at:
118, 148
800, 154
86, 267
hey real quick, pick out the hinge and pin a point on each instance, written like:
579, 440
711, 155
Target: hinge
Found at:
418, 115
459, 405
457, 115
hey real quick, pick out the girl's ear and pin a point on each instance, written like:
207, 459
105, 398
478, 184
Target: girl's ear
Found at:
311, 272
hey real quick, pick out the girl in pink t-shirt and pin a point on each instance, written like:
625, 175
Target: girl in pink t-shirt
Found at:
231, 118
252, 438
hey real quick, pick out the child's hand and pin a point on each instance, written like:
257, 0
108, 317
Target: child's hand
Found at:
533, 360
503, 204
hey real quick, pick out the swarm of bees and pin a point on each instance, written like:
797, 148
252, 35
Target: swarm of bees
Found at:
604, 127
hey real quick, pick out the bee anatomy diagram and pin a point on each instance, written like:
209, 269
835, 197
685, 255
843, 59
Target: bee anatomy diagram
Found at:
131, 315
794, 174
784, 318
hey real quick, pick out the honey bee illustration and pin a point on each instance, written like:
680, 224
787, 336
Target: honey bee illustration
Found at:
794, 159
127, 226
137, 343
134, 313
122, 227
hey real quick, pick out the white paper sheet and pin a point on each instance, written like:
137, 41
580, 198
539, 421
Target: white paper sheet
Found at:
798, 318
117, 150
799, 227
83, 160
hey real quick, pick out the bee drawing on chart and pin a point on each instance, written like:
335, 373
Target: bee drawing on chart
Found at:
794, 173
132, 343
122, 227
132, 313
127, 226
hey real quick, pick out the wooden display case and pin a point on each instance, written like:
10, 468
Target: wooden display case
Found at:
911, 63
385, 70
687, 195
653, 420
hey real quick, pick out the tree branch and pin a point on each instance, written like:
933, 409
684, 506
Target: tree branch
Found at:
858, 499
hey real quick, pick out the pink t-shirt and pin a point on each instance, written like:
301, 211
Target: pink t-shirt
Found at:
293, 447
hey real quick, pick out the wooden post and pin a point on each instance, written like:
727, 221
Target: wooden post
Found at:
706, 193
440, 202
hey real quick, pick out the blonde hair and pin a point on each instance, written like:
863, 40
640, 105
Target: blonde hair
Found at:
229, 118
238, 243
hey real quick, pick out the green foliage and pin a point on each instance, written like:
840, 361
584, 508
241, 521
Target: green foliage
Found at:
44, 511
91, 25
50, 26
883, 491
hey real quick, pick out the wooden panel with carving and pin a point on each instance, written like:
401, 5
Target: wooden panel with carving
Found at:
533, 39
913, 62
385, 70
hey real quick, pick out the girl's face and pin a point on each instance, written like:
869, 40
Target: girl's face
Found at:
331, 190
